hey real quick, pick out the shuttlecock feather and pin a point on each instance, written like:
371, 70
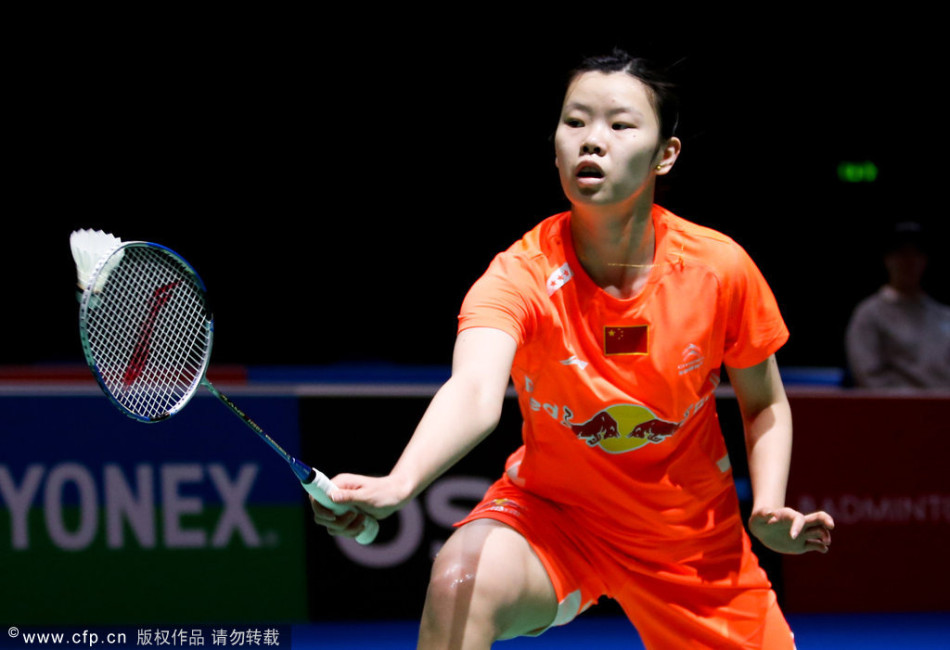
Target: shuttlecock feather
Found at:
89, 247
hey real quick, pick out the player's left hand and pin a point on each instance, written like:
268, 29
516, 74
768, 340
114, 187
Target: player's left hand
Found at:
785, 530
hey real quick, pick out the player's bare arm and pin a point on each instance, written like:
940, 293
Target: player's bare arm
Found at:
462, 413
767, 419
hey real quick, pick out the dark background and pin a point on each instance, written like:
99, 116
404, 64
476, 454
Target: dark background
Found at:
340, 182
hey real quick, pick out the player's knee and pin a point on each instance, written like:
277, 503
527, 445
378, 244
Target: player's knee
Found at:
452, 609
487, 582
465, 585
452, 579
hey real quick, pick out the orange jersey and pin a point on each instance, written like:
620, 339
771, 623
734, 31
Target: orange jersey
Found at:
616, 394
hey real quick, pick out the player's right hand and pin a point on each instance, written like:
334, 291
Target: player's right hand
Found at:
348, 524
376, 496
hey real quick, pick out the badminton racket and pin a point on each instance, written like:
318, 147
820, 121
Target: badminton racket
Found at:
146, 331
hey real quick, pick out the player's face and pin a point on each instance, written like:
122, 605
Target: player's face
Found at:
607, 142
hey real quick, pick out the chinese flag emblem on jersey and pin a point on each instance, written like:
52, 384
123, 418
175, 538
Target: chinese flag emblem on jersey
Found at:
626, 340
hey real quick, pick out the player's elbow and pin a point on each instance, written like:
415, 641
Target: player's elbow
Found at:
480, 401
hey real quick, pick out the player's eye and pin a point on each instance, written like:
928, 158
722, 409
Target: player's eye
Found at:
573, 122
621, 126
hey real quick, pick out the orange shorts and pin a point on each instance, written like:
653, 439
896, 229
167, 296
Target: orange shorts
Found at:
714, 603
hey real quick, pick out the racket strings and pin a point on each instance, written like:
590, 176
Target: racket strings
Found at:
184, 364
149, 332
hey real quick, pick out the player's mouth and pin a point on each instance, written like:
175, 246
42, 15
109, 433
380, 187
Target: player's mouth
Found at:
588, 173
589, 170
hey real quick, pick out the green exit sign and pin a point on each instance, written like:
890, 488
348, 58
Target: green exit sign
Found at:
857, 172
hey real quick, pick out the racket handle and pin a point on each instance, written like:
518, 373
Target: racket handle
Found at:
319, 487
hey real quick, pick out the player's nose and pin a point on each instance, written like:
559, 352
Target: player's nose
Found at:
593, 142
591, 147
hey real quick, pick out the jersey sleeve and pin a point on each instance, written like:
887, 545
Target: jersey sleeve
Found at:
501, 299
755, 329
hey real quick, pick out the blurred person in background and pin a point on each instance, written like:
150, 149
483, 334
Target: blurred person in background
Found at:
899, 337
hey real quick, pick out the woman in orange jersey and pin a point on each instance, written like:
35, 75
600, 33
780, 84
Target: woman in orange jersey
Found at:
613, 321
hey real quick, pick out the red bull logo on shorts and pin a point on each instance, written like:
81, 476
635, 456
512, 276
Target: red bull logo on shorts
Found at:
621, 428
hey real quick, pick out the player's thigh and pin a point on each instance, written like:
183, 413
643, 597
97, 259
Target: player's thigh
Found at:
488, 574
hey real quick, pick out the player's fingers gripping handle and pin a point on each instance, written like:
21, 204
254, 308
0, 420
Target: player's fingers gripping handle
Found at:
319, 487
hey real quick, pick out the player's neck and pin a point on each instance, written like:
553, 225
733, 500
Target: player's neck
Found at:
615, 248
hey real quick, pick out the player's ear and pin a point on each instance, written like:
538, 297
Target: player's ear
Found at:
667, 155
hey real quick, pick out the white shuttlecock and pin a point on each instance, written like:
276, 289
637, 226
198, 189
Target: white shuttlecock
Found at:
88, 247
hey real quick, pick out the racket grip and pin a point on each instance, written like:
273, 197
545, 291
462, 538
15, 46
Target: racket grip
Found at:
319, 487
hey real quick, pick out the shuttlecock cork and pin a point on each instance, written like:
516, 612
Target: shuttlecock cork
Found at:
88, 247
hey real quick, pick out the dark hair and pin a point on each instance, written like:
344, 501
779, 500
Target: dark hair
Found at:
662, 91
903, 234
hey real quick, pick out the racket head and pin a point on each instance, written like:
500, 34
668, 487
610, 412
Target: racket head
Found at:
146, 329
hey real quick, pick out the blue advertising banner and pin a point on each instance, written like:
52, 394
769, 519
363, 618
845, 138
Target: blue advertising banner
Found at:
104, 520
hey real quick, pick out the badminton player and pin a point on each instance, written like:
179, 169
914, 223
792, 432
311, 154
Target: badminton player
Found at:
613, 321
